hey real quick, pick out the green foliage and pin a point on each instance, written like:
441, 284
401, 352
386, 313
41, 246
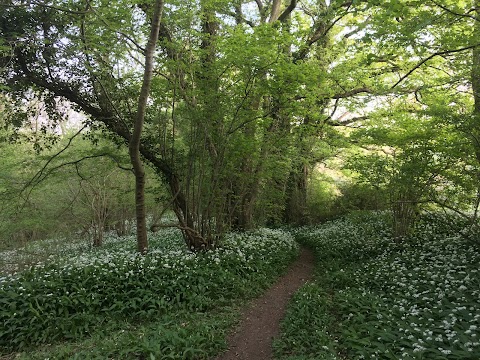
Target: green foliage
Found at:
329, 198
67, 190
375, 299
71, 296
415, 143
361, 196
305, 327
182, 334
322, 195
231, 88
417, 157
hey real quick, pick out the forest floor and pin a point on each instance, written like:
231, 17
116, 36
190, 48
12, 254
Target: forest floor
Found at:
260, 324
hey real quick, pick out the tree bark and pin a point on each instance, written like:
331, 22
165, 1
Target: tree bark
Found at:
296, 196
275, 13
475, 78
404, 216
134, 145
476, 63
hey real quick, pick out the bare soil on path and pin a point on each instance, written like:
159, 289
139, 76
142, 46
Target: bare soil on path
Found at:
260, 324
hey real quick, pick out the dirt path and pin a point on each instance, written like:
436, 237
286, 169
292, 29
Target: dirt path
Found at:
252, 340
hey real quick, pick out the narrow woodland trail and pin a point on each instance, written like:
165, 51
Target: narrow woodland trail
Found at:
252, 340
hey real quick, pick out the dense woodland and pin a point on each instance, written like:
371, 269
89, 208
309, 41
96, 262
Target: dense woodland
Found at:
237, 111
216, 118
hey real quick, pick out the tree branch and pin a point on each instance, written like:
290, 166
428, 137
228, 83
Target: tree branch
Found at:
45, 174
440, 53
239, 18
286, 13
340, 122
467, 15
39, 175
348, 5
108, 118
126, 36
352, 93
275, 13
334, 110
320, 32
33, 2
259, 5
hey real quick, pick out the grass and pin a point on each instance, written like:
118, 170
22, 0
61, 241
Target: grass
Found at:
114, 303
374, 299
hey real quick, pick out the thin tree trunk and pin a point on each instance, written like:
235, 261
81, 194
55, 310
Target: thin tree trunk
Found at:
475, 133
296, 196
134, 146
404, 215
476, 65
476, 86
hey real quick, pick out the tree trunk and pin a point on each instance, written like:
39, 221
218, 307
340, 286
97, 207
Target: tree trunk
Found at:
475, 132
242, 210
193, 239
403, 219
476, 84
134, 145
296, 196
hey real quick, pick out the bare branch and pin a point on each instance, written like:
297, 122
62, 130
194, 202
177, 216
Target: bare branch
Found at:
334, 110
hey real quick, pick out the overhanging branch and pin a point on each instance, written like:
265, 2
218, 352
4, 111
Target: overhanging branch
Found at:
440, 53
467, 15
352, 92
41, 4
346, 122
39, 176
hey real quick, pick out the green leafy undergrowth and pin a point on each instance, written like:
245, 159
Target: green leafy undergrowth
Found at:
75, 296
181, 335
374, 299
